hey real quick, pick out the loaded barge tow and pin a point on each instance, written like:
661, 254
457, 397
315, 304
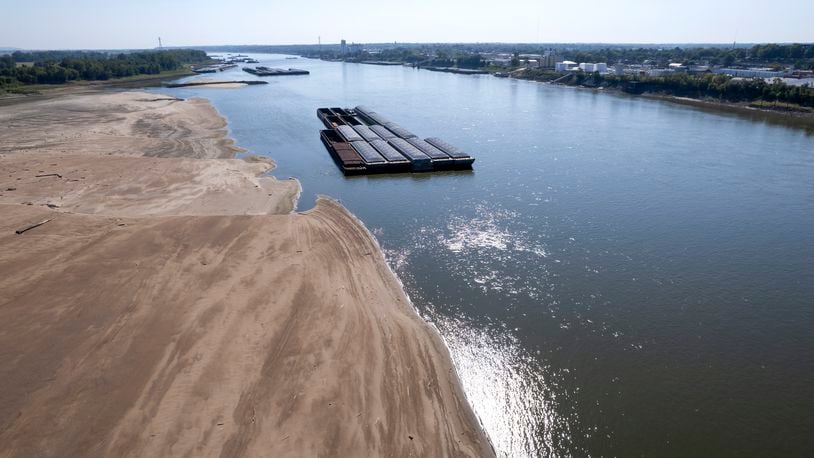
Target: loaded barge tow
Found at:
272, 71
361, 141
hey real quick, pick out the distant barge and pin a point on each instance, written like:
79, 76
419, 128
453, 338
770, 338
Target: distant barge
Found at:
213, 83
380, 62
270, 71
459, 71
362, 141
213, 68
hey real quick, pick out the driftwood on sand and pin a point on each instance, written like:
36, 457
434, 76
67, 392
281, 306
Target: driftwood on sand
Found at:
31, 226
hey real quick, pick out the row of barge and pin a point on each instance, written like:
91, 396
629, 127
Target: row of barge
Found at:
362, 141
273, 71
214, 68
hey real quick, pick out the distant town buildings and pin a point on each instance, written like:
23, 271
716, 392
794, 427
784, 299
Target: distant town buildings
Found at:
750, 72
548, 59
587, 67
591, 68
565, 66
346, 49
545, 60
498, 60
650, 69
657, 71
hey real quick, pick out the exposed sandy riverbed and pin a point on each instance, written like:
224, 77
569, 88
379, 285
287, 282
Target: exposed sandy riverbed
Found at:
175, 306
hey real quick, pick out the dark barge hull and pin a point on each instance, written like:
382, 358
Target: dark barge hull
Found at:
462, 160
266, 71
345, 157
351, 163
324, 115
333, 119
362, 141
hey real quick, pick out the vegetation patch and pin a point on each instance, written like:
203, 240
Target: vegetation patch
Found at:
59, 67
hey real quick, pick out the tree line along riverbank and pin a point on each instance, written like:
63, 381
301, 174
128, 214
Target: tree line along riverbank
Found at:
477, 55
756, 92
20, 70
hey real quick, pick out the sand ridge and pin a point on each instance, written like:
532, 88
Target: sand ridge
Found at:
173, 307
142, 186
132, 154
105, 123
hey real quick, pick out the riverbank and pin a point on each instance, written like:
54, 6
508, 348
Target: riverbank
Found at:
24, 92
175, 305
761, 111
749, 109
799, 119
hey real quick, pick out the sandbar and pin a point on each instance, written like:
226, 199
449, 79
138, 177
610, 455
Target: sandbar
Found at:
176, 305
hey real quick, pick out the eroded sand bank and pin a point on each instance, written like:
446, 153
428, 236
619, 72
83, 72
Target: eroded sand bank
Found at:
174, 305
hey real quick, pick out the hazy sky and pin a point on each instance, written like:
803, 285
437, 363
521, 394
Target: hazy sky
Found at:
57, 24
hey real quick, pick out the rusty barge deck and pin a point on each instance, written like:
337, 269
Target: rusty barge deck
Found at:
361, 141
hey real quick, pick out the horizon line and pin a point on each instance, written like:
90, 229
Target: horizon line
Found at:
578, 43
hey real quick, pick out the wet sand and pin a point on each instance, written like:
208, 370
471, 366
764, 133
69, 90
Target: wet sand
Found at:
175, 306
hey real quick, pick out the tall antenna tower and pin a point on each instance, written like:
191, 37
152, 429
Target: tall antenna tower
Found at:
159, 43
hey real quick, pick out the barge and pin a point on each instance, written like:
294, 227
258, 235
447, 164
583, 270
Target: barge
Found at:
273, 71
214, 68
382, 132
456, 154
350, 135
459, 71
362, 141
343, 154
420, 161
210, 83
366, 133
396, 161
440, 160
